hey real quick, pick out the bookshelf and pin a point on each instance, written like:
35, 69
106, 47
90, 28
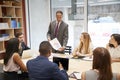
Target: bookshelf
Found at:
11, 21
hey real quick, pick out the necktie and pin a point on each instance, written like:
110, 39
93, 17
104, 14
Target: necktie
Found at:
56, 29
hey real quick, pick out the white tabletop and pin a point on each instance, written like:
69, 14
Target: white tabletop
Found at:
78, 65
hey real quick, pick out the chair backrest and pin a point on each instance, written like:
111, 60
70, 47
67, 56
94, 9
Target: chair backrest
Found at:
68, 49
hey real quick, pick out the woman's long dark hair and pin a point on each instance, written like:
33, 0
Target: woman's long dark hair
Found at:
11, 47
102, 62
117, 38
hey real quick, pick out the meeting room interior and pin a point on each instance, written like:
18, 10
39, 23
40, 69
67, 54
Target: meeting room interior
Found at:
74, 29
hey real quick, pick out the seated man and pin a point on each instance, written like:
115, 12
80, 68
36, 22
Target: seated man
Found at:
23, 46
41, 68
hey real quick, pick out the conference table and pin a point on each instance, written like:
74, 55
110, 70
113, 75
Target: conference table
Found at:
75, 65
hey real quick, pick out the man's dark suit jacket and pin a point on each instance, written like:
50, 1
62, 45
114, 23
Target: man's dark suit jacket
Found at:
24, 47
41, 68
62, 35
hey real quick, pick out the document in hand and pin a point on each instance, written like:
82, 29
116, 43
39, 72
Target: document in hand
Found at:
55, 44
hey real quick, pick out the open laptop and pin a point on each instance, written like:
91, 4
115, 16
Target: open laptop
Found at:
63, 61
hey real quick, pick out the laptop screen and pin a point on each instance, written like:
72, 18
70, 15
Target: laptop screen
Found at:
63, 61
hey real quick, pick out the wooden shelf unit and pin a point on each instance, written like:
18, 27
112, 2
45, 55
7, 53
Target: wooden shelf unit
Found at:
11, 21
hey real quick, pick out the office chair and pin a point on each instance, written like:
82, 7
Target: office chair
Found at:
68, 49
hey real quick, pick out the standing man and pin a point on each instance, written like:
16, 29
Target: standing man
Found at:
58, 29
41, 68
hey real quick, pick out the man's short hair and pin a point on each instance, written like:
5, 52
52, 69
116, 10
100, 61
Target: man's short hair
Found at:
18, 34
59, 12
44, 48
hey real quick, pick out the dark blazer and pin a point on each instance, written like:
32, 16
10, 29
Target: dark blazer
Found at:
62, 32
41, 68
23, 47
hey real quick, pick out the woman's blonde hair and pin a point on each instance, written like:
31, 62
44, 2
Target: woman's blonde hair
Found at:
86, 43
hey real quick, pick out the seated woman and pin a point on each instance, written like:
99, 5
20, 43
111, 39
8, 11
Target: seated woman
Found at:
114, 47
12, 61
85, 47
101, 68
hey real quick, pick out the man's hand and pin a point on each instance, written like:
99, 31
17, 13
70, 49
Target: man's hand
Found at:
61, 49
60, 66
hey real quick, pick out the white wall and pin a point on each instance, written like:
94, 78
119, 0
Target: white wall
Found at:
38, 19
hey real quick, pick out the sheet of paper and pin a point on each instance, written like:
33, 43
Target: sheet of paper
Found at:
30, 53
88, 58
77, 75
55, 44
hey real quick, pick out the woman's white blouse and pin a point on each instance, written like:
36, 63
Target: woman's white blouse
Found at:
11, 66
115, 52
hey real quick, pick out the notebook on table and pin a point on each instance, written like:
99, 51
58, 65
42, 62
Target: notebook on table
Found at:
75, 75
63, 61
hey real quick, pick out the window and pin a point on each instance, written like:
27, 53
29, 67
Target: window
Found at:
103, 19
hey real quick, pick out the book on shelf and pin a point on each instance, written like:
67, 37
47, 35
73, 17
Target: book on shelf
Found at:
13, 24
4, 26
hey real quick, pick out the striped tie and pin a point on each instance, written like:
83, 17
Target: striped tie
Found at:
56, 29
